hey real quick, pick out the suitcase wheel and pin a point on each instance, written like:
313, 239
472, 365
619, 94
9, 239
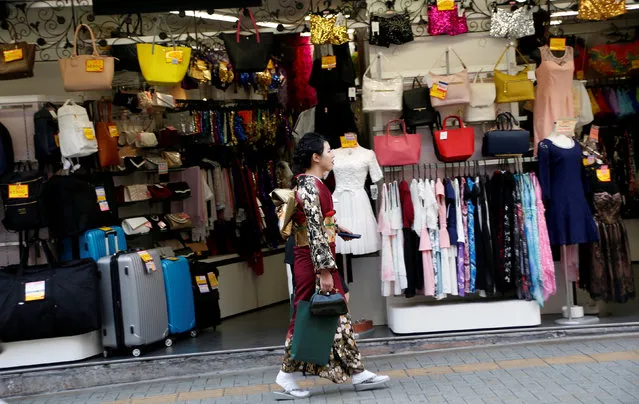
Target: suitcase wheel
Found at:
193, 333
168, 342
136, 352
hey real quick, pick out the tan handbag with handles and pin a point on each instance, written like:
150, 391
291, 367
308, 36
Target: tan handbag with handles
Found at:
16, 59
86, 72
107, 135
513, 88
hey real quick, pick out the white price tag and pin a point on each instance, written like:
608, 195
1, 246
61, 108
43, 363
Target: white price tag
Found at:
352, 93
375, 27
443, 135
374, 192
532, 75
202, 284
34, 291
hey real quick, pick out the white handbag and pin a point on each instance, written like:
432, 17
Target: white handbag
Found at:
136, 225
146, 139
163, 100
383, 94
77, 133
482, 102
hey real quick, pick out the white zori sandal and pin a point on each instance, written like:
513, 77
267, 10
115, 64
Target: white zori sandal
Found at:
291, 390
369, 381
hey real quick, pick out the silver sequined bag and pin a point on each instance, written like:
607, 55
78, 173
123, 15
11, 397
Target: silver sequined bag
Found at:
512, 25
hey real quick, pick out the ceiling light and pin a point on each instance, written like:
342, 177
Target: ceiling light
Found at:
226, 18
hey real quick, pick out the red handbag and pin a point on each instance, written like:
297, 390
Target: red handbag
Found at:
398, 150
454, 144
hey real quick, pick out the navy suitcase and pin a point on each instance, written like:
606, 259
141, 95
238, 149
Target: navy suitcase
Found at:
179, 295
206, 294
95, 244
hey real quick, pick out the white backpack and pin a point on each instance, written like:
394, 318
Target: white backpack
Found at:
77, 133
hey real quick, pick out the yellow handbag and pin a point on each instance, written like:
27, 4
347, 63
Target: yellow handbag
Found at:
163, 65
513, 88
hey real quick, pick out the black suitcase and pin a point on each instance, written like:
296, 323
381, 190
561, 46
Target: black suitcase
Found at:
206, 294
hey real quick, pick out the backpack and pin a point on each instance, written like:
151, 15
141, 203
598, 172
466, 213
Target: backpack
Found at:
6, 151
45, 122
71, 205
21, 193
77, 133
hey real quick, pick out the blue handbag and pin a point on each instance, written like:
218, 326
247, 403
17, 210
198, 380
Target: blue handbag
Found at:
507, 140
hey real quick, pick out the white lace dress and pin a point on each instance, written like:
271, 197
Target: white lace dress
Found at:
352, 206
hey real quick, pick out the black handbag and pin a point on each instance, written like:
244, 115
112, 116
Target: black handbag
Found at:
390, 30
21, 193
45, 121
126, 55
328, 304
417, 109
50, 300
181, 189
507, 140
248, 53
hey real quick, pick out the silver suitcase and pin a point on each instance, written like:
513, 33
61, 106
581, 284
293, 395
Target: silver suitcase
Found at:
133, 302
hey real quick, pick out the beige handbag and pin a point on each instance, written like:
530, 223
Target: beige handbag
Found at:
178, 221
86, 72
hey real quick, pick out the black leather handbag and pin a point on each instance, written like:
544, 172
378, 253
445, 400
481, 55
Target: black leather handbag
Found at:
248, 53
507, 140
417, 109
328, 304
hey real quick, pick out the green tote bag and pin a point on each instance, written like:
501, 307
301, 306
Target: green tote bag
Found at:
313, 336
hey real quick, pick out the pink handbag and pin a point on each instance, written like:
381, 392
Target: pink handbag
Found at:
398, 150
86, 72
446, 22
458, 85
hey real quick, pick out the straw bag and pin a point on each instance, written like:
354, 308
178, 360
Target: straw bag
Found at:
513, 88
86, 72
382, 94
163, 65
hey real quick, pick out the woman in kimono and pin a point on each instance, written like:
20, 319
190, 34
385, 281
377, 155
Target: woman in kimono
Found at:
315, 231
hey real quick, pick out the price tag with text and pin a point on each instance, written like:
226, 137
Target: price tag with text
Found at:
349, 140
594, 133
603, 174
148, 261
443, 135
445, 5
329, 62
13, 55
95, 65
557, 44
163, 168
566, 126
18, 191
34, 291
88, 133
375, 27
201, 284
213, 280
374, 192
175, 57
439, 90
113, 131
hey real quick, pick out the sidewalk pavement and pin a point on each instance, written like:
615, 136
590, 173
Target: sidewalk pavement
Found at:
602, 370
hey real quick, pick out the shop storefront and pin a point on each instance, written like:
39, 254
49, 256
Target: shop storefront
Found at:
166, 140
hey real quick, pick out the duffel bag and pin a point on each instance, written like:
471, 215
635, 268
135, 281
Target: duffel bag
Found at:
50, 300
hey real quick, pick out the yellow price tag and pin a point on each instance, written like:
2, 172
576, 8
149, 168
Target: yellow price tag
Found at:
18, 191
13, 55
201, 284
557, 44
146, 257
445, 5
171, 258
56, 138
213, 280
95, 65
174, 57
635, 64
113, 131
88, 133
439, 90
104, 229
349, 140
580, 75
329, 62
603, 174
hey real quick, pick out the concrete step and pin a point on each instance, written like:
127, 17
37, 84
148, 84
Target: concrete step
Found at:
94, 373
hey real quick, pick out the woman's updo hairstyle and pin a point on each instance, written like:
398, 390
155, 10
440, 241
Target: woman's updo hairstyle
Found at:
311, 143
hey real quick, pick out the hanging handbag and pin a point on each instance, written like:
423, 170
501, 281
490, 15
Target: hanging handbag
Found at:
507, 139
512, 24
513, 88
398, 150
392, 29
107, 136
446, 22
382, 94
126, 55
20, 192
454, 144
77, 134
482, 102
417, 109
86, 72
45, 138
458, 91
16, 59
248, 53
600, 10
163, 65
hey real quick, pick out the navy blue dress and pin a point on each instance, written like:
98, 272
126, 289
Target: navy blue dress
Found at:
564, 184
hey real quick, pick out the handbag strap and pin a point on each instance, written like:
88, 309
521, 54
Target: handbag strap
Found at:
379, 54
417, 81
518, 52
239, 26
450, 49
461, 122
477, 75
169, 33
75, 40
403, 129
104, 111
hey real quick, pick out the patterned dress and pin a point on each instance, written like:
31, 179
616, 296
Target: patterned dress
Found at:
315, 231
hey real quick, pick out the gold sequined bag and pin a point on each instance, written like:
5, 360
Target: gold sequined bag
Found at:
328, 30
600, 9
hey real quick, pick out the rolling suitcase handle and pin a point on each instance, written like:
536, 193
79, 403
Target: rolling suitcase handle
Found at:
108, 231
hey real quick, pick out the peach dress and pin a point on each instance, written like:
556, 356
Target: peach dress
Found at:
554, 92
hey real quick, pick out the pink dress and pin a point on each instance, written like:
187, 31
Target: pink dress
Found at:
547, 263
554, 98
427, 262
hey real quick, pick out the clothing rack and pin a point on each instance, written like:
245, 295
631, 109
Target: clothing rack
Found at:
463, 164
223, 105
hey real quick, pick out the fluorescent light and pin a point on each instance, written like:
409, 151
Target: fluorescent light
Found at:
555, 22
227, 18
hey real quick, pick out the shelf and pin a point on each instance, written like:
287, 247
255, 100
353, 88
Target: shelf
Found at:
150, 201
145, 171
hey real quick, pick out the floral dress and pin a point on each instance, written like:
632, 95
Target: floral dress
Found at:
315, 231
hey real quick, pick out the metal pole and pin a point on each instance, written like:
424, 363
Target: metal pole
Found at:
379, 66
569, 298
447, 61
